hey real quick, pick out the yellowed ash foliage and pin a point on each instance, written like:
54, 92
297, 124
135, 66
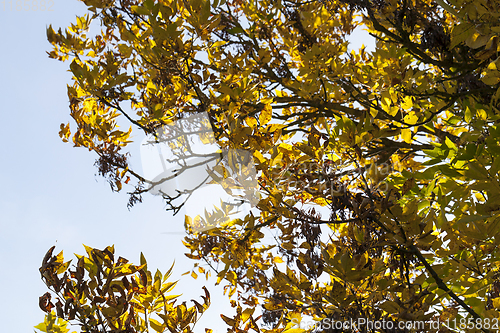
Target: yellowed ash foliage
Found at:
398, 144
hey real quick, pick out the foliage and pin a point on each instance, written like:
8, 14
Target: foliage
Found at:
104, 295
400, 145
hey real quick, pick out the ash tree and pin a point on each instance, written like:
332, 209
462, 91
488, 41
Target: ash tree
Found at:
377, 170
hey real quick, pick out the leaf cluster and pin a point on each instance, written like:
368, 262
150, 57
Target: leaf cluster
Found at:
102, 294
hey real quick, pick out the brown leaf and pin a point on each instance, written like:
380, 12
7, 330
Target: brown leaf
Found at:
48, 255
98, 299
67, 305
59, 309
45, 261
125, 282
199, 307
358, 151
72, 313
144, 277
409, 183
45, 303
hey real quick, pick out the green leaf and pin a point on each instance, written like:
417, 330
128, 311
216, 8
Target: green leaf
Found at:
449, 171
460, 33
235, 31
471, 218
140, 10
205, 12
469, 153
390, 307
476, 171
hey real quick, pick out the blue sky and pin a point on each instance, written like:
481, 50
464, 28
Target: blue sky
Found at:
50, 194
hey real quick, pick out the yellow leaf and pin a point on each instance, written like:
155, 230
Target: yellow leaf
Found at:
277, 260
406, 135
407, 103
150, 86
246, 314
259, 156
391, 110
386, 98
231, 322
411, 118
156, 325
266, 114
294, 330
285, 147
468, 114
251, 122
394, 95
321, 201
218, 43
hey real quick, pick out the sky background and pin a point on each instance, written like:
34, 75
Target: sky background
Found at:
50, 194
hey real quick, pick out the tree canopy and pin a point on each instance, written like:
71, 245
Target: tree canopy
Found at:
377, 170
